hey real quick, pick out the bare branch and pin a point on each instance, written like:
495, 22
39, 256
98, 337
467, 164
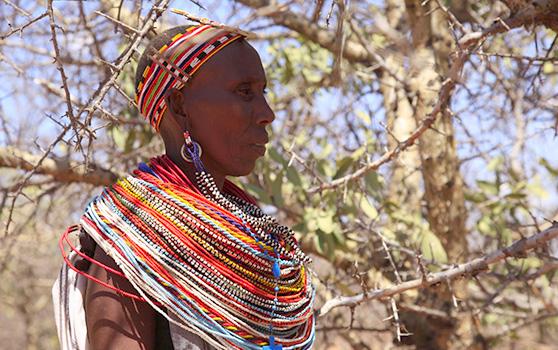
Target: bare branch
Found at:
21, 28
474, 267
62, 171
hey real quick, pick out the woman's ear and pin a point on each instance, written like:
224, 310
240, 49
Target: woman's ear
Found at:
175, 104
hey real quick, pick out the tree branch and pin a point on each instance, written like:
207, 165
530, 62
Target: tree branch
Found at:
474, 267
352, 51
61, 171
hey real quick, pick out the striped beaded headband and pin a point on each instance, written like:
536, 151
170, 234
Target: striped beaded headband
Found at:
175, 63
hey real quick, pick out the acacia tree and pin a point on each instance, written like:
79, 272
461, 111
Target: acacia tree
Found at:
411, 136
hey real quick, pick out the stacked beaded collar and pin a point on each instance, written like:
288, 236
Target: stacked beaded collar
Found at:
175, 63
223, 269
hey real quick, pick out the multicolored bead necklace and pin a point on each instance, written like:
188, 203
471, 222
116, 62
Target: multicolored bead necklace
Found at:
221, 267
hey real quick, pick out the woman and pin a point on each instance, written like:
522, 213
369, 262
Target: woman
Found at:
182, 258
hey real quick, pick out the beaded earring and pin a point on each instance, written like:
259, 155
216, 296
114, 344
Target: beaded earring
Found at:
191, 152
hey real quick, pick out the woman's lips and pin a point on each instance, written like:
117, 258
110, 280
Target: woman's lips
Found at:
259, 148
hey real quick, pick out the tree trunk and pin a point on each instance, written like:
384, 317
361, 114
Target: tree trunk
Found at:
404, 186
443, 185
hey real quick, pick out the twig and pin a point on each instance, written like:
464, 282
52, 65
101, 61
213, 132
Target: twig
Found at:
60, 67
523, 323
396, 319
30, 173
548, 52
215, 24
124, 59
425, 311
53, 89
22, 27
17, 8
120, 23
389, 257
451, 17
532, 59
358, 329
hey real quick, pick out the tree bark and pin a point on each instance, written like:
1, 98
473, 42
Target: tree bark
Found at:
443, 186
404, 186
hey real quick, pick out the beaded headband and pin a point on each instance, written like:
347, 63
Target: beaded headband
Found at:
175, 63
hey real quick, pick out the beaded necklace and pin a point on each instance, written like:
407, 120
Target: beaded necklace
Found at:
215, 261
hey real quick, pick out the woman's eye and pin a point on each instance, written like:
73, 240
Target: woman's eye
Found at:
245, 91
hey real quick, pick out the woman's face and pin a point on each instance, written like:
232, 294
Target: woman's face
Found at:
227, 111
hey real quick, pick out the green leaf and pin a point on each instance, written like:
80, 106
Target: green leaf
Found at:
368, 208
327, 148
276, 156
372, 181
330, 246
364, 117
378, 40
339, 236
536, 188
357, 153
516, 195
475, 197
130, 140
485, 226
488, 187
324, 168
319, 242
495, 163
299, 227
552, 170
119, 138
389, 234
300, 139
431, 247
325, 223
293, 177
288, 71
343, 165
326, 243
310, 219
276, 190
526, 264
548, 68
490, 319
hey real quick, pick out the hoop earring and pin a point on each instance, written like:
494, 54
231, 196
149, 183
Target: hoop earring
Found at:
185, 152
191, 152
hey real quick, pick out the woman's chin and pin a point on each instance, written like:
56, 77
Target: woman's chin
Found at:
242, 169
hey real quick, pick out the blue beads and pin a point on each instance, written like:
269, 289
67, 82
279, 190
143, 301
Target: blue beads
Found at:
272, 345
146, 169
276, 269
276, 288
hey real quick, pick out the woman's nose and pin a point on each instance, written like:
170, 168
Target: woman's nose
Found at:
265, 114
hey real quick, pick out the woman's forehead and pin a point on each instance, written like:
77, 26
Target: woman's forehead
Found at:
236, 62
